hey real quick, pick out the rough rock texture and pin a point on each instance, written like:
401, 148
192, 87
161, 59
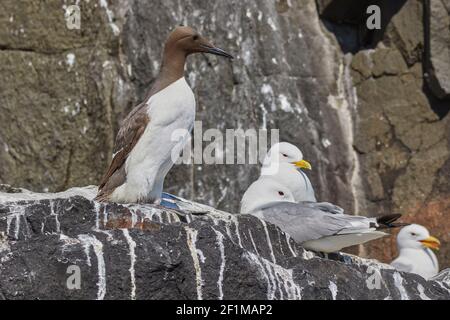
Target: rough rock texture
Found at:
275, 82
401, 138
402, 131
148, 252
58, 88
367, 107
437, 38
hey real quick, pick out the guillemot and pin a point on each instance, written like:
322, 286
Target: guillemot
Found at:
144, 146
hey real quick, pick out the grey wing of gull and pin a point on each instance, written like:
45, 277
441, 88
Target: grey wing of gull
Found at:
303, 222
324, 206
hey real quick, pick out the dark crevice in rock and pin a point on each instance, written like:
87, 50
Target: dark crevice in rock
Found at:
51, 52
382, 75
23, 49
347, 21
440, 107
30, 226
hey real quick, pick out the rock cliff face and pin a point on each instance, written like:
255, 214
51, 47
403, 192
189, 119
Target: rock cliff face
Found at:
401, 127
66, 246
367, 107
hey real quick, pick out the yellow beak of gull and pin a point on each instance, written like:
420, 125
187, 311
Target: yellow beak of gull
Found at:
431, 242
302, 164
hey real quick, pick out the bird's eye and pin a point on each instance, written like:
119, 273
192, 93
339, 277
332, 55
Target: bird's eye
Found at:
281, 193
195, 37
413, 234
284, 155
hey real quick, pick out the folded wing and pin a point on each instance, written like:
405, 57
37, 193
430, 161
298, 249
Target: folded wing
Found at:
131, 130
318, 229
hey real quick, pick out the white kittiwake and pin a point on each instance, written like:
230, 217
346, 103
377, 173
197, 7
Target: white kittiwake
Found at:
284, 163
314, 228
415, 255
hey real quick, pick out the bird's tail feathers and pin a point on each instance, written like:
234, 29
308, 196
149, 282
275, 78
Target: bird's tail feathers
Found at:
388, 221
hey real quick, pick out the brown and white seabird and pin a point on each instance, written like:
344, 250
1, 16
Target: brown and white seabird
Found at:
144, 144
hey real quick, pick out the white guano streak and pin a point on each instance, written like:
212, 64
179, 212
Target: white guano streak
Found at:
422, 294
219, 240
253, 241
398, 281
333, 289
88, 241
346, 99
191, 235
133, 218
278, 278
132, 254
344, 102
236, 225
288, 240
54, 214
269, 242
110, 15
16, 216
105, 217
97, 207
252, 258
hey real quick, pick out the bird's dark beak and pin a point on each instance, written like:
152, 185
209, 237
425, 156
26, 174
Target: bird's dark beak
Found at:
217, 51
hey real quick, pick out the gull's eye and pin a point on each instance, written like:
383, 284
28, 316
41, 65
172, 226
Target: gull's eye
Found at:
413, 234
195, 37
281, 193
284, 155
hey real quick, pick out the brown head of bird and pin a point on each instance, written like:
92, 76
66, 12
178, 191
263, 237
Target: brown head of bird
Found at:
182, 41
185, 40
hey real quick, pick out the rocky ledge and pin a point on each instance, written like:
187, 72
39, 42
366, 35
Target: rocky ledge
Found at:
67, 246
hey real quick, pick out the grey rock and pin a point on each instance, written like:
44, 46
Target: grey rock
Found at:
150, 252
438, 71
405, 30
60, 93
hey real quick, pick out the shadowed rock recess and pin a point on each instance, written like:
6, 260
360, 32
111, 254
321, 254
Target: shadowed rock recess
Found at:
149, 252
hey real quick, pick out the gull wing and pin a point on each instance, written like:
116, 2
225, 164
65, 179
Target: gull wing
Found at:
324, 206
306, 222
